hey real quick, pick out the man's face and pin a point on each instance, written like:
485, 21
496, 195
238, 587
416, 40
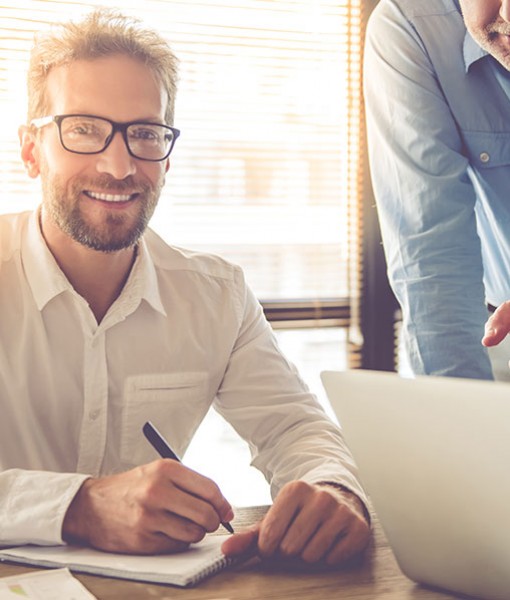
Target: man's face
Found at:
103, 201
488, 21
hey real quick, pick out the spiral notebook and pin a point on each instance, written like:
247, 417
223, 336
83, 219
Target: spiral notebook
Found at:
183, 569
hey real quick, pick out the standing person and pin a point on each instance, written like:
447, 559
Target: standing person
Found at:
437, 91
104, 326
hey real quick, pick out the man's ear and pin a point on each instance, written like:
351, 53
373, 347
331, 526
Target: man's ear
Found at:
29, 150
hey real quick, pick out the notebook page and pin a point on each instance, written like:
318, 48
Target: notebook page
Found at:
184, 568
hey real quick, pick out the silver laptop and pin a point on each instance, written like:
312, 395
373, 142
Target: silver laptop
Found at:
434, 457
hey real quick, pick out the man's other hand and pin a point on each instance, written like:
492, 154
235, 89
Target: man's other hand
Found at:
318, 524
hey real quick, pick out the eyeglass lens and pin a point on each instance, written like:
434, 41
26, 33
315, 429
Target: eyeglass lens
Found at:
88, 135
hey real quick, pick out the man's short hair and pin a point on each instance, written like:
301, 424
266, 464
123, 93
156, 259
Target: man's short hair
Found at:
101, 33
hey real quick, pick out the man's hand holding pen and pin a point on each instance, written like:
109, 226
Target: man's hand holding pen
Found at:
159, 507
163, 448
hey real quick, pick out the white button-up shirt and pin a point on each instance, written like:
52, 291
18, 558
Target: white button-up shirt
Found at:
186, 332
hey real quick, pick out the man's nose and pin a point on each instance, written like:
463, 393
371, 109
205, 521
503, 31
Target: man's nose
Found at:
504, 11
116, 160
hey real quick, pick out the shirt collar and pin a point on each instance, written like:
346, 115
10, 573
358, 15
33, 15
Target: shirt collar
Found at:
47, 280
472, 51
44, 276
143, 279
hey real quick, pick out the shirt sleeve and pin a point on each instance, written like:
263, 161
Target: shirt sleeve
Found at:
425, 202
33, 505
263, 397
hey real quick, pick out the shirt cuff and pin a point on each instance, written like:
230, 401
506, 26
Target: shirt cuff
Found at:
33, 505
344, 488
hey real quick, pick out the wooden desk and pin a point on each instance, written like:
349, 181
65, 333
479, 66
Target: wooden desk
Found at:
376, 578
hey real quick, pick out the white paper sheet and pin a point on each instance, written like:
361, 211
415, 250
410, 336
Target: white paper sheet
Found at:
53, 584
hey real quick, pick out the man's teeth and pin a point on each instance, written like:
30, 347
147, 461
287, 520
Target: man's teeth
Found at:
110, 197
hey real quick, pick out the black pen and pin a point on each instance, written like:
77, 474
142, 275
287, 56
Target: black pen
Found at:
163, 449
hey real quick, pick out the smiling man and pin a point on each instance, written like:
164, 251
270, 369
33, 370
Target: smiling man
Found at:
437, 90
104, 326
100, 187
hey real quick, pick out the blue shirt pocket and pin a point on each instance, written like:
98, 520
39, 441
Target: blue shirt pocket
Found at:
487, 150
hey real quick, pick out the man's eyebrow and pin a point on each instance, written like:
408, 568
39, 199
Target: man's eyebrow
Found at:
148, 120
86, 113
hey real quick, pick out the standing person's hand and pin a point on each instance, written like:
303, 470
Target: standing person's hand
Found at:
497, 326
315, 523
159, 507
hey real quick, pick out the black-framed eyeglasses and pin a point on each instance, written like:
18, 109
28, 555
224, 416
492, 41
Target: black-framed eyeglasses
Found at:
88, 134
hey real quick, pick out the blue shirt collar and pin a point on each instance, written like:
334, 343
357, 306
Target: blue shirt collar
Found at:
472, 51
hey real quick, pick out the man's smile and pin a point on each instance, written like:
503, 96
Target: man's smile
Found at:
110, 197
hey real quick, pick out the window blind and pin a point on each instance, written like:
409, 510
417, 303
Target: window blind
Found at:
267, 171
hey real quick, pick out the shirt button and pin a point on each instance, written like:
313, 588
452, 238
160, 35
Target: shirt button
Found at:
484, 157
93, 414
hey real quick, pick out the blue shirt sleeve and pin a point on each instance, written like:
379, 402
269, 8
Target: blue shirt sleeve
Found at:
425, 200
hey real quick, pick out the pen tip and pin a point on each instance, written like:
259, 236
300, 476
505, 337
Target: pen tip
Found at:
228, 527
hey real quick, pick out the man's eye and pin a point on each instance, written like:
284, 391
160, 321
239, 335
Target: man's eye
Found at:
144, 134
80, 129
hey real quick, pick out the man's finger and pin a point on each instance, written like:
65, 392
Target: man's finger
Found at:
244, 542
280, 516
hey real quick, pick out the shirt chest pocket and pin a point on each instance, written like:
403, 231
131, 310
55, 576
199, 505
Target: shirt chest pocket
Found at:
176, 403
487, 150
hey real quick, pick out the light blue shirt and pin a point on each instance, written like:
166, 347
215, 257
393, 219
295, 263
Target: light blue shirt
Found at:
438, 116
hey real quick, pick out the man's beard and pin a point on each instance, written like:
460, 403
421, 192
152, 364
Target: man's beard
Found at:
490, 40
118, 231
